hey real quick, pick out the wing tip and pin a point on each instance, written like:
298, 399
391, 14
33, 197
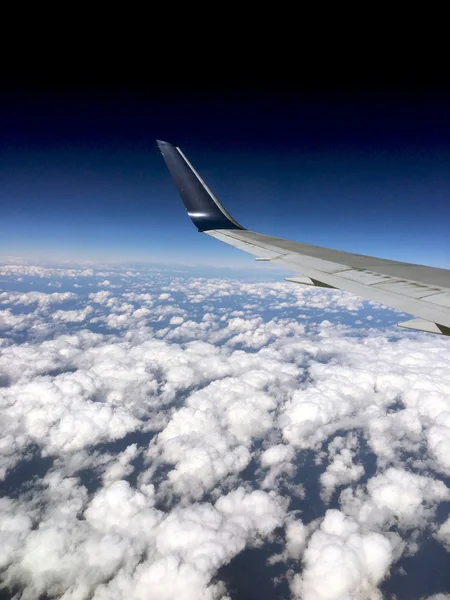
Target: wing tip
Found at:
162, 145
204, 209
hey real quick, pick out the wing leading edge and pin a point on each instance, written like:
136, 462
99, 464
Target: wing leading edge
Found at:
415, 289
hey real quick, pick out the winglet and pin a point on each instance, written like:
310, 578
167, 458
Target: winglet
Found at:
204, 209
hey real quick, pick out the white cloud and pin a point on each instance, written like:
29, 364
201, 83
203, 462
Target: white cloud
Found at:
340, 562
278, 460
209, 438
60, 415
121, 467
342, 469
15, 526
39, 298
276, 455
396, 496
8, 320
43, 272
176, 320
144, 298
101, 555
100, 297
165, 296
443, 534
72, 316
296, 534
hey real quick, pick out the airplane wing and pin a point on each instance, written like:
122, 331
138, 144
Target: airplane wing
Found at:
415, 289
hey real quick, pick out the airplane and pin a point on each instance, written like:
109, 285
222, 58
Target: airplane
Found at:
418, 290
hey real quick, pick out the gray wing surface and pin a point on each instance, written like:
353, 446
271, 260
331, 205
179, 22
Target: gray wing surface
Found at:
415, 289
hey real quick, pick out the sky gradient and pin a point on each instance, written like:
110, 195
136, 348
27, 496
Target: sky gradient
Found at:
81, 176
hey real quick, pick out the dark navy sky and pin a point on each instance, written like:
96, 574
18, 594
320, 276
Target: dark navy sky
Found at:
368, 172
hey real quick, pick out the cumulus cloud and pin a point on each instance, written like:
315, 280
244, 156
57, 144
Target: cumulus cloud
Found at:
396, 496
211, 436
19, 271
102, 297
176, 320
120, 467
39, 298
72, 316
296, 535
341, 562
443, 534
276, 455
278, 460
341, 470
125, 547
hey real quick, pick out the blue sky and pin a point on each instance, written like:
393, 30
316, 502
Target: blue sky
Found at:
81, 177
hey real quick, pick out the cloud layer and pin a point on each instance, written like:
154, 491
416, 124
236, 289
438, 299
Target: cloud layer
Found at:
156, 425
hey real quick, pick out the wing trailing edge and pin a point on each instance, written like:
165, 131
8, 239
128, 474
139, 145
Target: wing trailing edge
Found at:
427, 326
